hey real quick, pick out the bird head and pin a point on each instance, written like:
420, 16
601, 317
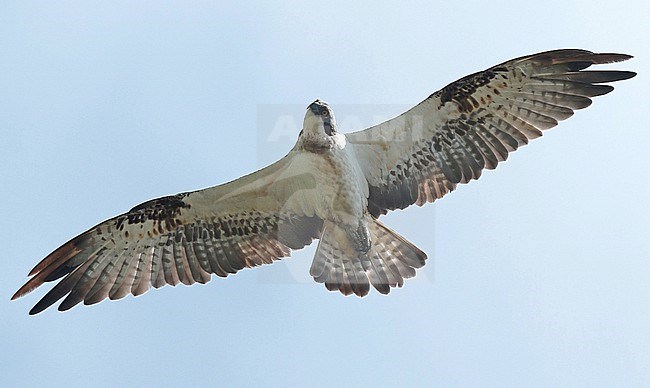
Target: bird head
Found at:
319, 119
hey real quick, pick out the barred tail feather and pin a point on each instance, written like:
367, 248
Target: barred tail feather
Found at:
390, 260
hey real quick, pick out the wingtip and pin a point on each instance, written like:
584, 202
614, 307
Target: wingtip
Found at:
16, 295
603, 58
38, 308
621, 57
37, 268
627, 75
58, 257
36, 311
22, 291
41, 306
45, 303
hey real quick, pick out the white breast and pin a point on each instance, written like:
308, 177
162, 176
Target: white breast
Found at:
331, 186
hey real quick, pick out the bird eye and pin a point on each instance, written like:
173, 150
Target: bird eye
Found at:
324, 112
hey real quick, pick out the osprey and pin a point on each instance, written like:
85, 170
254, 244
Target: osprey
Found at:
332, 187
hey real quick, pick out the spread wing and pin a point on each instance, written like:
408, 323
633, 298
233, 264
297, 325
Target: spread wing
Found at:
180, 239
474, 123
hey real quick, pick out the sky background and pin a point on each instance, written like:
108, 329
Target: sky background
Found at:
539, 273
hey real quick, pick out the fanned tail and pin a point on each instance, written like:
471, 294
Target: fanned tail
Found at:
390, 259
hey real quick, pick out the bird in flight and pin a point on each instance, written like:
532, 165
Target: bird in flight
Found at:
331, 187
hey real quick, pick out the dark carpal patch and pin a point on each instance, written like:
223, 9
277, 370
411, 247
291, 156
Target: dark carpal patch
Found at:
462, 90
159, 209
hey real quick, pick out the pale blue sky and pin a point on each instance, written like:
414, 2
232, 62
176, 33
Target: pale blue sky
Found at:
539, 273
